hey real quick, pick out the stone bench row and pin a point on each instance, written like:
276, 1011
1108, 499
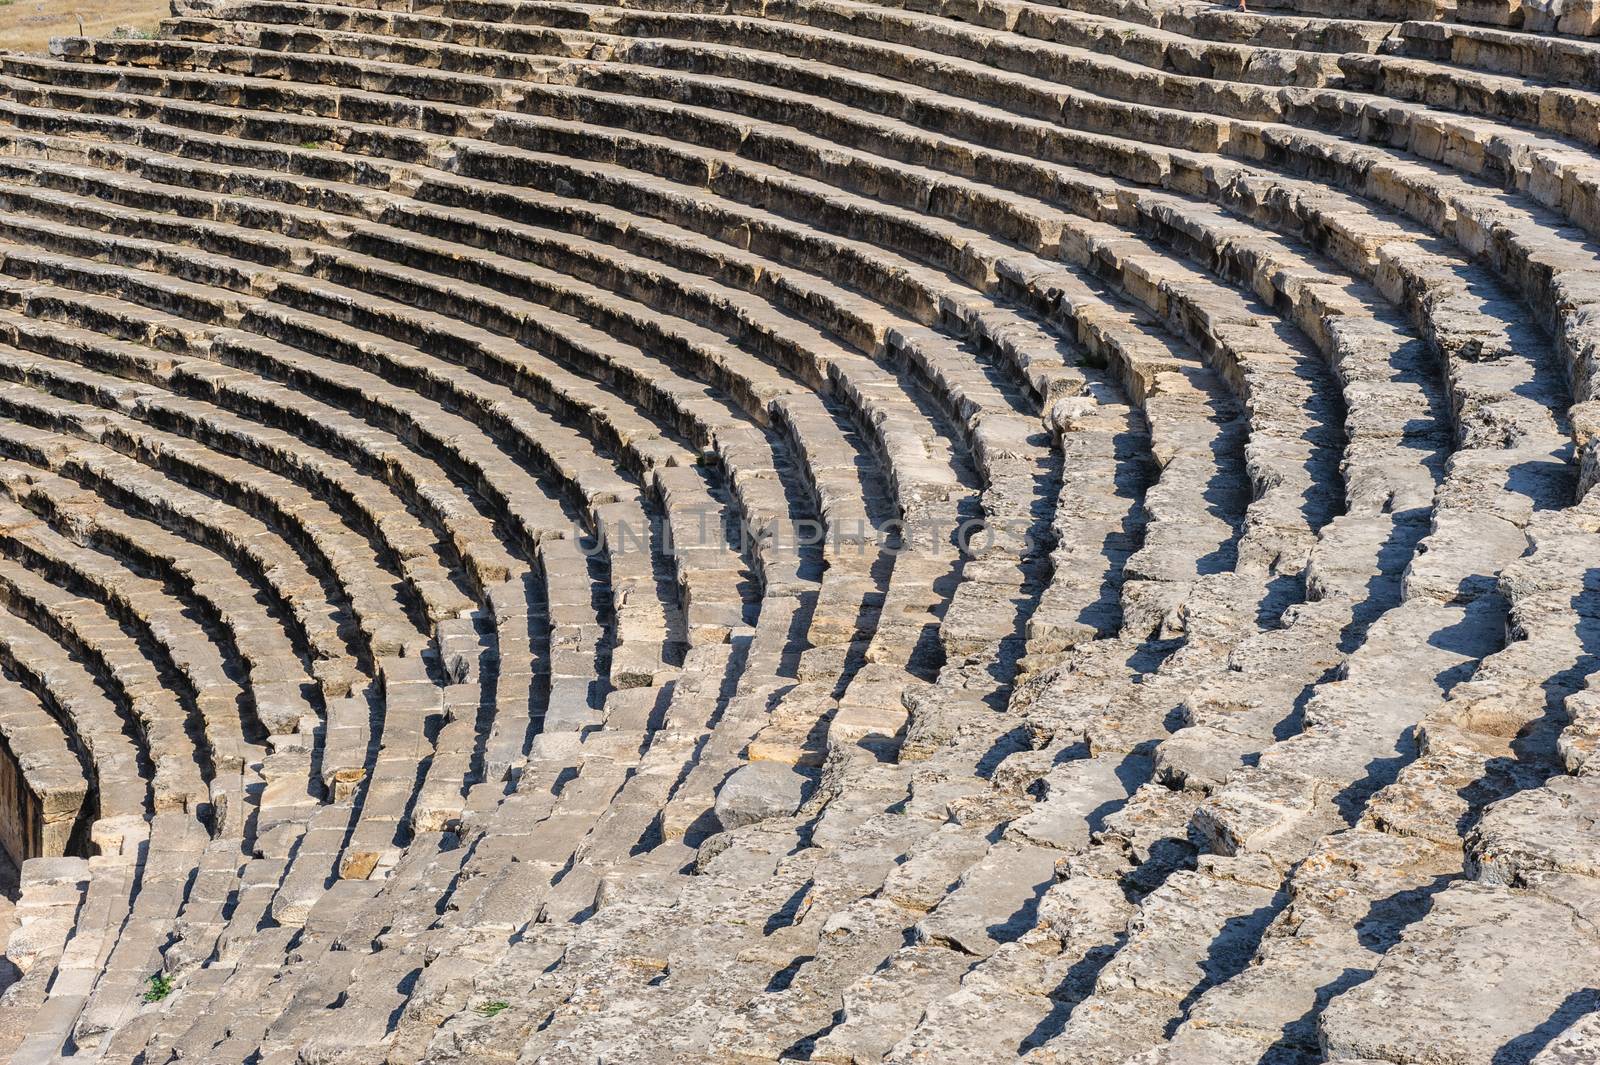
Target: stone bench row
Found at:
1533, 279
230, 603
1241, 690
203, 658
1544, 57
776, 338
43, 779
352, 755
380, 618
376, 515
97, 470
1533, 16
555, 522
600, 496
242, 391
846, 969
1258, 61
1342, 34
181, 768
86, 713
1537, 280
417, 248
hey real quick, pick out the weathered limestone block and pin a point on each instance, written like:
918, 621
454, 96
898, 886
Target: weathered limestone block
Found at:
761, 790
1473, 979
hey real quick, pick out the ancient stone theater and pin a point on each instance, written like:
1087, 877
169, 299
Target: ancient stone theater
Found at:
718, 532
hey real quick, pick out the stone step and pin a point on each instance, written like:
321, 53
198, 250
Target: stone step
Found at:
45, 779
1303, 143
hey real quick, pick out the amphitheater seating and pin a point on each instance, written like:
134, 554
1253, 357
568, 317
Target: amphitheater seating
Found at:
853, 531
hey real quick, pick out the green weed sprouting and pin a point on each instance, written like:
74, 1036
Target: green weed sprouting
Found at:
160, 987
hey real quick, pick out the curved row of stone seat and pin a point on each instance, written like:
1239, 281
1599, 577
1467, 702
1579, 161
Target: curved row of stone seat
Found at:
730, 871
1015, 989
816, 901
486, 561
205, 672
597, 491
263, 556
381, 620
227, 600
1157, 208
86, 713
844, 520
702, 602
45, 785
1546, 57
1342, 34
519, 741
1415, 196
182, 768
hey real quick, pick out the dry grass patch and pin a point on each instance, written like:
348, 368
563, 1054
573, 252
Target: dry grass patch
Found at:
28, 25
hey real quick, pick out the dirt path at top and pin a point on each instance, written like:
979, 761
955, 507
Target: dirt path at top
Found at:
28, 25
